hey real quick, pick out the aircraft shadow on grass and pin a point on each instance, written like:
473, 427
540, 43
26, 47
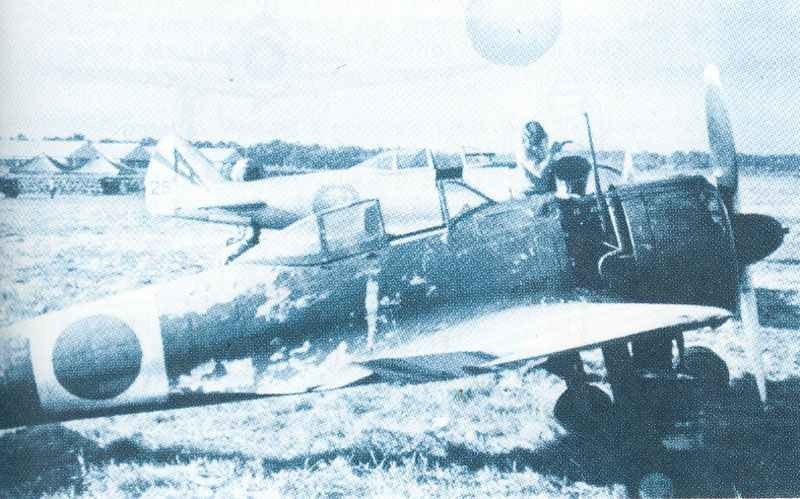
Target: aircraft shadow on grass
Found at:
45, 459
777, 308
746, 455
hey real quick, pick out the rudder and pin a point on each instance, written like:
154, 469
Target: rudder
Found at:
177, 173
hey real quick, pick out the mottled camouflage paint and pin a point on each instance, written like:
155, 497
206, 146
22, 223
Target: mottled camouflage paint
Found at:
263, 312
254, 328
19, 401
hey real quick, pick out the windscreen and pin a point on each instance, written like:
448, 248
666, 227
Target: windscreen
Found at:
460, 199
352, 230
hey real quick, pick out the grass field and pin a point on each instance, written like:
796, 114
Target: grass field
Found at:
489, 435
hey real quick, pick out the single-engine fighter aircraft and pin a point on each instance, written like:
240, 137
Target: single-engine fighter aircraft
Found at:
180, 182
337, 299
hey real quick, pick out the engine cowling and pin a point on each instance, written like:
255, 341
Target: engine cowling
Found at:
676, 243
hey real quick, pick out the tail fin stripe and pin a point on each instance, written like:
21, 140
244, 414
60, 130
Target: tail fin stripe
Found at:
182, 168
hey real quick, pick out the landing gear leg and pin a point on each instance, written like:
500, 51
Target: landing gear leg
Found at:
248, 244
652, 393
620, 374
637, 424
645, 389
567, 366
643, 381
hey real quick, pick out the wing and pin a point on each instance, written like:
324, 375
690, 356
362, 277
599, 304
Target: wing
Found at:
486, 342
228, 204
234, 212
505, 338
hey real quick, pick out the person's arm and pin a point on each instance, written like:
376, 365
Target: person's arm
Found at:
538, 175
530, 166
521, 155
557, 148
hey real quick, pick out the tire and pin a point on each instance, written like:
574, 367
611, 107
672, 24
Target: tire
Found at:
708, 369
584, 410
656, 484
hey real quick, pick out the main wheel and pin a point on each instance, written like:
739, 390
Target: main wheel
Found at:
707, 368
656, 484
584, 409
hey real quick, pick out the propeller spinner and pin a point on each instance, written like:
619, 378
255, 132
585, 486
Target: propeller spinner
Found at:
755, 236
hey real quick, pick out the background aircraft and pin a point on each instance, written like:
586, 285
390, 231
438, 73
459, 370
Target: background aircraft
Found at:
181, 182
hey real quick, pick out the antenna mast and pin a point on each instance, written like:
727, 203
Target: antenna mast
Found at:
602, 206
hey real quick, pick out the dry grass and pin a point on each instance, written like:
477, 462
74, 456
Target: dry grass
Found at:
485, 436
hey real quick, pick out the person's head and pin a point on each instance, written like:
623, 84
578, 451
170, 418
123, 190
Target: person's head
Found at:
536, 141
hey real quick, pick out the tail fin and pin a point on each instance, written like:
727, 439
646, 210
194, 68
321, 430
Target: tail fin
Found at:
177, 173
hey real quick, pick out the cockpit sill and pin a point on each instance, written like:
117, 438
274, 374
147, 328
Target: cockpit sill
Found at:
359, 229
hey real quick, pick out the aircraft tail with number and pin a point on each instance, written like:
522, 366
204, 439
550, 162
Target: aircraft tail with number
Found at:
178, 173
181, 182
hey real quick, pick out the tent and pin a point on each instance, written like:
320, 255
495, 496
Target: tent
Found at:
97, 166
28, 149
138, 157
116, 152
40, 165
16, 153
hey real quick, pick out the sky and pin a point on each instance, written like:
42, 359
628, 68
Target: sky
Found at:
442, 74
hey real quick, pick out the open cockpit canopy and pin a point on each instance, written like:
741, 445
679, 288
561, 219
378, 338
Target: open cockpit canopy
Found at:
359, 227
324, 237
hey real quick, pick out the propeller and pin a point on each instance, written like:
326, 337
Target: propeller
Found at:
723, 158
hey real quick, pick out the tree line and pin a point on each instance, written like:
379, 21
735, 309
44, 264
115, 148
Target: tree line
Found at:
278, 155
698, 160
265, 156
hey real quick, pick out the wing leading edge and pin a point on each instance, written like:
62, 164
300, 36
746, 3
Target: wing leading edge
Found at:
505, 338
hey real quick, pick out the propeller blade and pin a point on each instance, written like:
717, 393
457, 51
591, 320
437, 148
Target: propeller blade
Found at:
723, 158
720, 138
748, 312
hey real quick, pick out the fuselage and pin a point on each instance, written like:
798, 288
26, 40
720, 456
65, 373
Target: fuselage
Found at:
274, 324
171, 344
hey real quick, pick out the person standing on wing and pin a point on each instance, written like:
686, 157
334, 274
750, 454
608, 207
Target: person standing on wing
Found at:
548, 172
537, 156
